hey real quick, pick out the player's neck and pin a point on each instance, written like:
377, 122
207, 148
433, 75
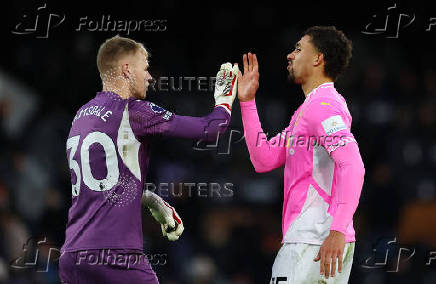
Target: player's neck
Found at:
122, 91
313, 83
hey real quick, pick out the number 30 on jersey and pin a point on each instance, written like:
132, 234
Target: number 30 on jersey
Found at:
83, 171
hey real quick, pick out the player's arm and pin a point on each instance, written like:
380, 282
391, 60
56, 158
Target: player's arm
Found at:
327, 121
148, 119
164, 214
349, 184
264, 155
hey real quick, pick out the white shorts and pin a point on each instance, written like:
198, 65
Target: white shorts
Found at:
294, 264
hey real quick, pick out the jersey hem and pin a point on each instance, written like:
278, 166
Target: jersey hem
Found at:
102, 248
312, 242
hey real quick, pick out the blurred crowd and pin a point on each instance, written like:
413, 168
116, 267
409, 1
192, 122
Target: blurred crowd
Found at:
232, 238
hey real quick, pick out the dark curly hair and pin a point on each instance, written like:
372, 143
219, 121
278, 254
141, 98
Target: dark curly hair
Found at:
335, 46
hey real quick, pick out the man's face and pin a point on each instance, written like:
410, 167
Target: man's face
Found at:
301, 60
139, 77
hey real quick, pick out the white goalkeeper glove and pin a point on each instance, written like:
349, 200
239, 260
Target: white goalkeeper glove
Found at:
226, 86
164, 214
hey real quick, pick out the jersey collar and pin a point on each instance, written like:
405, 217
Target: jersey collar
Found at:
110, 94
322, 86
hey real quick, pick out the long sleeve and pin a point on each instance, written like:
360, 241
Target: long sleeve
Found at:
265, 155
349, 184
206, 127
330, 120
146, 118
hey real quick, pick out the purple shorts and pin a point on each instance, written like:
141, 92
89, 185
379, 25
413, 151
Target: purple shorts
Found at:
105, 266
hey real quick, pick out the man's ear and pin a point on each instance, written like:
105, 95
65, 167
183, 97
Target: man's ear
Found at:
319, 59
125, 70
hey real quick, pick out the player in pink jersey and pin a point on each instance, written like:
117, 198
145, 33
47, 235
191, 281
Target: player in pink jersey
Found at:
324, 172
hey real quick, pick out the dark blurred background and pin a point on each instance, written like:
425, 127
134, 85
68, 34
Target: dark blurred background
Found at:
48, 72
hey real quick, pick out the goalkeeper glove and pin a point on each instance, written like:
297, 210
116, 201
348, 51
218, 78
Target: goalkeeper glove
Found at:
226, 86
164, 214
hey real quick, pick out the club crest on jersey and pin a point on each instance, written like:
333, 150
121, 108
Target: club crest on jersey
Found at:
155, 108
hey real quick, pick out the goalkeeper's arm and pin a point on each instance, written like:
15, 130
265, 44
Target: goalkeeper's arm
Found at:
147, 118
164, 214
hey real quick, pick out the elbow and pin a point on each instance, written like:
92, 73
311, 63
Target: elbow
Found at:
210, 137
260, 170
357, 169
361, 168
362, 173
213, 132
213, 136
260, 167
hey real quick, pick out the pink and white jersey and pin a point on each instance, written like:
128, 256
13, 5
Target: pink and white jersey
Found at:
318, 127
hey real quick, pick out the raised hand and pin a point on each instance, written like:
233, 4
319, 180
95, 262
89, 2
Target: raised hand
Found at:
248, 83
226, 86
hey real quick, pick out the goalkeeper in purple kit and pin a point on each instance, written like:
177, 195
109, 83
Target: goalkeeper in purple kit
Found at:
108, 154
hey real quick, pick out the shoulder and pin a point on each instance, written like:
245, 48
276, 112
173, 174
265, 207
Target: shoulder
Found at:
328, 102
136, 104
145, 106
329, 110
323, 106
149, 109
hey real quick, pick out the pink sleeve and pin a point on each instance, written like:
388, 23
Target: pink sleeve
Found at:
349, 184
330, 122
265, 155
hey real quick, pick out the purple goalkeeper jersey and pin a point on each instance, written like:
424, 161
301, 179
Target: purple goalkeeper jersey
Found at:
107, 150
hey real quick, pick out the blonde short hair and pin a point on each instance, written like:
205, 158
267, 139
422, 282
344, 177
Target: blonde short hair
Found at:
113, 49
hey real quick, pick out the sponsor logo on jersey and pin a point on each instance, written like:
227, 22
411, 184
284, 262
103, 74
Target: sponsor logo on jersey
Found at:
167, 115
333, 124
